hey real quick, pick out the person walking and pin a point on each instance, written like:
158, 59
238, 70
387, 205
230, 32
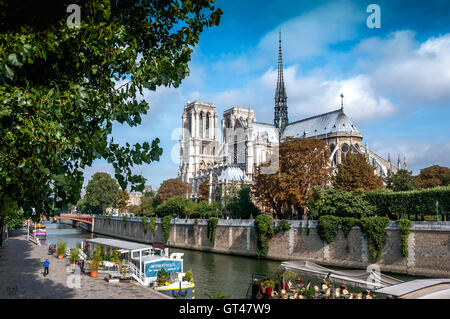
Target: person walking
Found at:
46, 266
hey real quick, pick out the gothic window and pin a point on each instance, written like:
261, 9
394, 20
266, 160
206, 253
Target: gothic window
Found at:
213, 151
344, 150
188, 124
201, 124
207, 125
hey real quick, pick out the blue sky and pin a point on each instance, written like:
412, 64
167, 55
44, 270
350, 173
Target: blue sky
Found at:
395, 79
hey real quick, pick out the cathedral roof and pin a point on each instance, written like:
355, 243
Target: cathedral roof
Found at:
326, 123
233, 173
264, 131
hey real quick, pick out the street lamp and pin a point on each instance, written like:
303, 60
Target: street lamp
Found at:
437, 211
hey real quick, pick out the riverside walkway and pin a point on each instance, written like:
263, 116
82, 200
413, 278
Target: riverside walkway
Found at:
21, 276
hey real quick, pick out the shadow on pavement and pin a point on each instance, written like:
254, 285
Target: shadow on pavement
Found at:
21, 271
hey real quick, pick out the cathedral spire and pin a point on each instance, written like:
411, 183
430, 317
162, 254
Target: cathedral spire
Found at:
281, 114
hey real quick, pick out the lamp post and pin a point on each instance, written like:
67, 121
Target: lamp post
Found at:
437, 211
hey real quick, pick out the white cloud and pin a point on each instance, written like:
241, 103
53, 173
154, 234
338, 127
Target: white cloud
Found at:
412, 72
419, 154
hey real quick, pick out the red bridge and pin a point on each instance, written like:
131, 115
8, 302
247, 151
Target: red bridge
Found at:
88, 219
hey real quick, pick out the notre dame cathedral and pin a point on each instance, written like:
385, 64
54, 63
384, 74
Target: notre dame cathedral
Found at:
246, 143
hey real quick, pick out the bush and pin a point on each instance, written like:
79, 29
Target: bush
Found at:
282, 226
206, 210
405, 228
374, 228
399, 205
336, 202
189, 276
264, 231
165, 225
153, 225
144, 224
212, 226
175, 206
347, 223
162, 277
61, 247
328, 227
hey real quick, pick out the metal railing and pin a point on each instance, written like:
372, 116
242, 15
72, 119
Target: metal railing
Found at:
135, 273
34, 240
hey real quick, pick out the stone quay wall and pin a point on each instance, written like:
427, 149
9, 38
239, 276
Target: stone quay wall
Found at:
428, 243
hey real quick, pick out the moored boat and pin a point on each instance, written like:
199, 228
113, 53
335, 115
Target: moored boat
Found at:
40, 233
143, 262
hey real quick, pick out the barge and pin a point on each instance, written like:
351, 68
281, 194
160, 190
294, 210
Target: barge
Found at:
143, 262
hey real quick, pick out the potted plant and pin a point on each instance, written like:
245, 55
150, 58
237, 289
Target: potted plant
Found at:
163, 277
189, 276
74, 257
61, 249
94, 263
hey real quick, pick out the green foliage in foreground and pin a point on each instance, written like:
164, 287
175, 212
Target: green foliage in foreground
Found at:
63, 87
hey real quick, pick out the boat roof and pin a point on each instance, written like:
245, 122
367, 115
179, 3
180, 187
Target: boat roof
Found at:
129, 245
420, 289
359, 278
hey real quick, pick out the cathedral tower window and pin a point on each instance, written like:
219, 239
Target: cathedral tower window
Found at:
201, 124
207, 125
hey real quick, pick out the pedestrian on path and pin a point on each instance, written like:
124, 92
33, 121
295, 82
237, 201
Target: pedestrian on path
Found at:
46, 265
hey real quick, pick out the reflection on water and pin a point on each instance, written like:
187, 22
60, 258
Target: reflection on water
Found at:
65, 233
212, 272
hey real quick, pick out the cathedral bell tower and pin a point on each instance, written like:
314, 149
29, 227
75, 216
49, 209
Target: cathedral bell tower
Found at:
281, 113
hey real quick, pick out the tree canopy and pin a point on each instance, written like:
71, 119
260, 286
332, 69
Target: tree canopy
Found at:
303, 163
101, 192
122, 200
63, 87
434, 176
401, 181
356, 173
172, 187
203, 190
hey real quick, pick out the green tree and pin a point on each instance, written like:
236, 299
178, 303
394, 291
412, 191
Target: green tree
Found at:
336, 202
356, 173
433, 176
101, 193
148, 204
175, 206
171, 188
242, 205
122, 200
401, 181
62, 88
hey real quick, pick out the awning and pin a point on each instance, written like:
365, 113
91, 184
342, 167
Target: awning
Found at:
357, 278
420, 289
